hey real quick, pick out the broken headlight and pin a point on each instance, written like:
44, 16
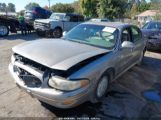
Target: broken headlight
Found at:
66, 85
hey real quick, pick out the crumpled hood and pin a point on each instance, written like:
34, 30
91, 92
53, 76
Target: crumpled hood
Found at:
57, 53
46, 20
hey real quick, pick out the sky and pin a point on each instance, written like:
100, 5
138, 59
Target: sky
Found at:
20, 4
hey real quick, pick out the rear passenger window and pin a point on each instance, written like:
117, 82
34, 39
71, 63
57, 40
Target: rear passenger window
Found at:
80, 19
152, 26
73, 18
136, 34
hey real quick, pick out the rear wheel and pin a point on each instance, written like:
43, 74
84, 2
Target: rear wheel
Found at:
57, 33
4, 30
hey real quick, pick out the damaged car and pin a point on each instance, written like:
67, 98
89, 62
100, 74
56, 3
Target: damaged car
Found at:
78, 67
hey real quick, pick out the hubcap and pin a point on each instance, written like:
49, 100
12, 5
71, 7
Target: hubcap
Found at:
3, 30
102, 86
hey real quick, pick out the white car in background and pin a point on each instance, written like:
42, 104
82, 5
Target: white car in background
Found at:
57, 23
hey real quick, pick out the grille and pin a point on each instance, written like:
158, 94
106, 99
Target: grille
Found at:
39, 67
41, 25
29, 79
30, 63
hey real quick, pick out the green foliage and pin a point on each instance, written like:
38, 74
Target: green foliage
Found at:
155, 6
155, 1
144, 6
134, 10
77, 7
3, 7
64, 8
9, 8
31, 5
157, 17
89, 7
111, 8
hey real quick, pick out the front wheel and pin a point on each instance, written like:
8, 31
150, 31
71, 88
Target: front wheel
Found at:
101, 88
4, 30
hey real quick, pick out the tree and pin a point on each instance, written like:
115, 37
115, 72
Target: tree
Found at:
31, 5
111, 8
11, 7
89, 7
157, 17
155, 6
144, 7
3, 7
77, 7
155, 1
65, 8
134, 10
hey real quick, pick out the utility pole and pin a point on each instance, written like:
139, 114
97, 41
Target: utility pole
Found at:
49, 4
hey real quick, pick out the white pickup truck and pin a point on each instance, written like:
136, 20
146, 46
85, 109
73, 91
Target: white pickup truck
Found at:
57, 23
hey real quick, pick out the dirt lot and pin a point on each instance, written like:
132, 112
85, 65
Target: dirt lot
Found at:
124, 101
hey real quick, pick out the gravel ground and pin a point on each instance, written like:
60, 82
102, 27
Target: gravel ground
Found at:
123, 102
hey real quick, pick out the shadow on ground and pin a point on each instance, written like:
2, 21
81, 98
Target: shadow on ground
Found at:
28, 37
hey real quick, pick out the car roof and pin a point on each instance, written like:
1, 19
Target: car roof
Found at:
110, 24
71, 14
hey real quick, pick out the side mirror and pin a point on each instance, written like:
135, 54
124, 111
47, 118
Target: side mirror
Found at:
64, 33
127, 44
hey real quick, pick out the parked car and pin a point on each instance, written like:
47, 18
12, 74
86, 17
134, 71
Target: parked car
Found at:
80, 66
57, 23
36, 13
152, 33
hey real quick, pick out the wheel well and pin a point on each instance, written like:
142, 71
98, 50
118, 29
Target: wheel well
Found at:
58, 28
110, 72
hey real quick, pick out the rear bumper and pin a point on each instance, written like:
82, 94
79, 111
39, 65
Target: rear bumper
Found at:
54, 97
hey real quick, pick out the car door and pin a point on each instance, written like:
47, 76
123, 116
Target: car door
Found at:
153, 29
72, 22
125, 54
159, 28
139, 42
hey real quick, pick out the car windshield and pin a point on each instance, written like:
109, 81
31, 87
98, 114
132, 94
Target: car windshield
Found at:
95, 35
57, 16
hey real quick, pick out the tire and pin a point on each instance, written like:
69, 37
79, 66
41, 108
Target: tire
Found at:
39, 33
101, 88
4, 30
57, 33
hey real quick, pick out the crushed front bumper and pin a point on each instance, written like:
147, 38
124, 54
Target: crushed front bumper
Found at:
52, 96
